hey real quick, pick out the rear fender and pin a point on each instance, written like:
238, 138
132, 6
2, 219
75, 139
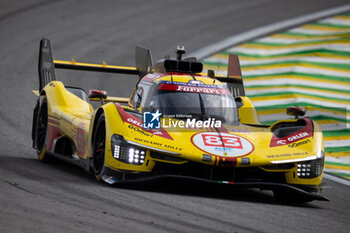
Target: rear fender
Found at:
63, 108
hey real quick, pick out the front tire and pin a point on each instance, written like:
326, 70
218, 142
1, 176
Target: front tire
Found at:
99, 147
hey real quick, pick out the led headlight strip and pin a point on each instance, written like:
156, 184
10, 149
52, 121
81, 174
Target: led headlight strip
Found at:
310, 169
125, 152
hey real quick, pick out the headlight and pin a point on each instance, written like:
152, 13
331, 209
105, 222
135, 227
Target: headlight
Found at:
311, 169
126, 153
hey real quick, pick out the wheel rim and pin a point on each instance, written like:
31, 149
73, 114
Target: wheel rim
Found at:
42, 127
99, 146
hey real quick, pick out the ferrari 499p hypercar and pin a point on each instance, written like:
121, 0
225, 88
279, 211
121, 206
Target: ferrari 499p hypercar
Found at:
178, 122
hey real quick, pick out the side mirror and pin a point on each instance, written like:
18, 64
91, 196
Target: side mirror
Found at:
295, 111
211, 74
138, 102
139, 93
98, 94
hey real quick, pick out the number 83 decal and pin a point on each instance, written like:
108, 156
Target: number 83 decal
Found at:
223, 144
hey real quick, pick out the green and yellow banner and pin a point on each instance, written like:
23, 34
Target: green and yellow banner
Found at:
307, 66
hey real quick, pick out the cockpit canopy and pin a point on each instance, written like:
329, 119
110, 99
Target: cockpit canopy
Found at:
187, 100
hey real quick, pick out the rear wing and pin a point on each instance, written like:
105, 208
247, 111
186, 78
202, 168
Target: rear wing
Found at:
143, 59
73, 65
47, 64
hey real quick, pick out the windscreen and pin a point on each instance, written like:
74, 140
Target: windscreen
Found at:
200, 102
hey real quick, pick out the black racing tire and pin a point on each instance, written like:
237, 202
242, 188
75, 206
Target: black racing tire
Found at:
41, 133
99, 148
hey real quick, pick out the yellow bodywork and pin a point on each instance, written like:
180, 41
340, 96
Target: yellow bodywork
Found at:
74, 118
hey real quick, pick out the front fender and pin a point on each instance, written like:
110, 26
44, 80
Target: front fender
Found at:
114, 123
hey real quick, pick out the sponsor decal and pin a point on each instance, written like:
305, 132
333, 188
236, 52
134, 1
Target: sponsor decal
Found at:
159, 144
134, 122
150, 142
172, 147
304, 133
289, 139
223, 144
296, 144
287, 155
198, 89
192, 84
298, 136
136, 129
282, 142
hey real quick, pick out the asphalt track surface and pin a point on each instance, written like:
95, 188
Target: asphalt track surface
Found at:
38, 197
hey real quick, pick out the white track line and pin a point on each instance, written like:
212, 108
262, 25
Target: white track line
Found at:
336, 179
336, 21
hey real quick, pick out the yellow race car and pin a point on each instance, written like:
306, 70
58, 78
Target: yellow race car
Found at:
178, 122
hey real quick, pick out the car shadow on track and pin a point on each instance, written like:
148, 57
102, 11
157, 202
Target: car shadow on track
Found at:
209, 190
29, 168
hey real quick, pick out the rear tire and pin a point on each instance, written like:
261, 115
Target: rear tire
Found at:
41, 133
99, 148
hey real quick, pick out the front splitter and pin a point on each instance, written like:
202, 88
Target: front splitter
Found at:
293, 191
